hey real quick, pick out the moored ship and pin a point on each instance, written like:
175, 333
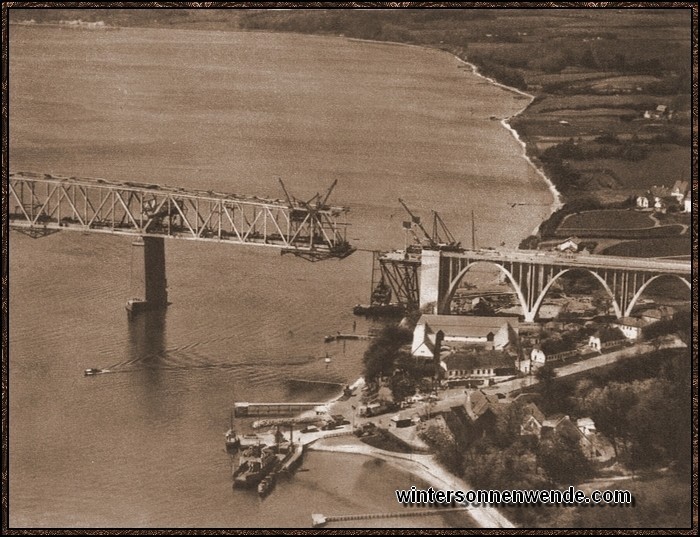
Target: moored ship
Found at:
256, 463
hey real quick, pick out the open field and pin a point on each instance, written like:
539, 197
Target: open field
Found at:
666, 247
612, 219
663, 166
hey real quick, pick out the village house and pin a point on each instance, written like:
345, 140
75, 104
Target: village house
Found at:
631, 327
572, 245
660, 205
662, 313
405, 418
660, 112
641, 201
476, 367
525, 366
593, 445
491, 333
679, 190
532, 420
537, 356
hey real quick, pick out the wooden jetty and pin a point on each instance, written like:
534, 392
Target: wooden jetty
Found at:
311, 381
242, 410
341, 337
318, 520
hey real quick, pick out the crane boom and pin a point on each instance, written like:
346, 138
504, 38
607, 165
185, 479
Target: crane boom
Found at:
328, 194
416, 220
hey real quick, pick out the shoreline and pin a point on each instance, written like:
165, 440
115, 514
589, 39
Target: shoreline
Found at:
557, 202
426, 469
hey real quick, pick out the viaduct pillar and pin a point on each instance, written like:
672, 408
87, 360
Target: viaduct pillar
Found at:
434, 281
148, 281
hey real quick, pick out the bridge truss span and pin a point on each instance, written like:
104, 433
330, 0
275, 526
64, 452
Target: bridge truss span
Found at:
40, 204
532, 273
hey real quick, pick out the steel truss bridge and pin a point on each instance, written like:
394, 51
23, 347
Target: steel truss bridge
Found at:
42, 204
430, 278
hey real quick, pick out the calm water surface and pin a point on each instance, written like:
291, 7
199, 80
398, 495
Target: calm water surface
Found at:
223, 111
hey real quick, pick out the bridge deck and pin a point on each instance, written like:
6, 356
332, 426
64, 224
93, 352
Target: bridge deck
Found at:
572, 260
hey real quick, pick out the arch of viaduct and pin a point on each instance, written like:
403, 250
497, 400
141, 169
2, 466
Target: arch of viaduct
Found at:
532, 274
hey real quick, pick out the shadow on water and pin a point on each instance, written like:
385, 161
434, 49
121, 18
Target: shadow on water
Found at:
147, 342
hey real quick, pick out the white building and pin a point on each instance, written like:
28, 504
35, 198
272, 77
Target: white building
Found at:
594, 342
538, 356
572, 244
631, 327
642, 202
679, 190
494, 333
476, 366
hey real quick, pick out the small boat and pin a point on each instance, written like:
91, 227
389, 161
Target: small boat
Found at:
95, 371
233, 442
267, 484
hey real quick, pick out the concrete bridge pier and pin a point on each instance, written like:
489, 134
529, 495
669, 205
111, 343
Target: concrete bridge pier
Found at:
434, 281
148, 282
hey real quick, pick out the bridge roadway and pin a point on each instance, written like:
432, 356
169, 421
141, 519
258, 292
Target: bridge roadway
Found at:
583, 260
429, 278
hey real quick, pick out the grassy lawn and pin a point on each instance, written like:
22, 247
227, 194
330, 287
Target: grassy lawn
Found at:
607, 220
660, 501
672, 246
663, 166
386, 441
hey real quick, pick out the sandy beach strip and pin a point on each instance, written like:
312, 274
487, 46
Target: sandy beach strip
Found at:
425, 468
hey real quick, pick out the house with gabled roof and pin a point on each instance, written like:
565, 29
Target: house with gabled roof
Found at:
662, 313
491, 333
476, 365
679, 190
631, 327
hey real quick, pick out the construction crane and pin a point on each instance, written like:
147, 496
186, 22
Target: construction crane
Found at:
395, 275
440, 239
315, 211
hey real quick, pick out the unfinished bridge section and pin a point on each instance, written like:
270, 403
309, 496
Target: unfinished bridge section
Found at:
41, 204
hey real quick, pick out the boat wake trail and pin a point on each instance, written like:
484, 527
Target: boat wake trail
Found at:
185, 359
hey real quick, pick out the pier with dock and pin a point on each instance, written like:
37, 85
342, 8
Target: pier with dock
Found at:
318, 520
345, 337
244, 410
